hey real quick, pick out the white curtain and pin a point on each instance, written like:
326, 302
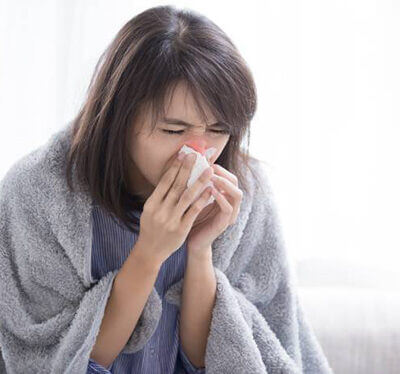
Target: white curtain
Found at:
328, 114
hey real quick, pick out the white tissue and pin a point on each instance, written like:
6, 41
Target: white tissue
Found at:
199, 166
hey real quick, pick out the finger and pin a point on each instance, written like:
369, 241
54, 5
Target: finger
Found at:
190, 216
226, 208
224, 183
180, 183
227, 186
233, 194
221, 171
166, 182
189, 195
233, 200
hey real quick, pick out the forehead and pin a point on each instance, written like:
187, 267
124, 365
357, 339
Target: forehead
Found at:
181, 104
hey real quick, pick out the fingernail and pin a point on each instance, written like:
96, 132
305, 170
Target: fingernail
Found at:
181, 156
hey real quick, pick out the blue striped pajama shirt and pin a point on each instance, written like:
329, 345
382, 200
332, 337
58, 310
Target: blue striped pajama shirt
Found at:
163, 353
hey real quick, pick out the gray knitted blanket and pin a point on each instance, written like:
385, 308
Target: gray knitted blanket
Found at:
50, 313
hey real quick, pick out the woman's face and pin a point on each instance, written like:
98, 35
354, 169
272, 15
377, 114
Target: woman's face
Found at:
151, 154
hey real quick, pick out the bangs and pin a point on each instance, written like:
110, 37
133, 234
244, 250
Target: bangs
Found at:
223, 91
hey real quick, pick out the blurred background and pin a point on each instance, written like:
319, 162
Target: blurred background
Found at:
327, 127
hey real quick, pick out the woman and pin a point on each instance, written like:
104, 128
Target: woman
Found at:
110, 263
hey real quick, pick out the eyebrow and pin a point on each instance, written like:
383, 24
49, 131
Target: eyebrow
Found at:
176, 121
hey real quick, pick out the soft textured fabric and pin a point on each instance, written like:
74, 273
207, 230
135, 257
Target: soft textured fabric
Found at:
50, 312
163, 353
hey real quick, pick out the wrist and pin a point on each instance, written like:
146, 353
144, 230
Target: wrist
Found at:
200, 254
142, 254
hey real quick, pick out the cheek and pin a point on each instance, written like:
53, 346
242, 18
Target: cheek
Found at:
144, 160
153, 166
220, 146
155, 161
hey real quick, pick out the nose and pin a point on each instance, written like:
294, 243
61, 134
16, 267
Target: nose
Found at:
198, 144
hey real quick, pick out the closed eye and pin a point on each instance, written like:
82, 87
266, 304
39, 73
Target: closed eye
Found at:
178, 132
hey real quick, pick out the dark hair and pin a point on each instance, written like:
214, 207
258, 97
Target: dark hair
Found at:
153, 52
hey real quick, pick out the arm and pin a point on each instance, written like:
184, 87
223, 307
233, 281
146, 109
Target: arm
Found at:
130, 291
258, 324
46, 302
198, 297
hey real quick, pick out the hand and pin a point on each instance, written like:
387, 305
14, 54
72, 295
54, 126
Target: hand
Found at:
170, 211
223, 212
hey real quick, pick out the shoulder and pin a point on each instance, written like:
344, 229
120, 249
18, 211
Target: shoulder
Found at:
258, 173
30, 178
262, 200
